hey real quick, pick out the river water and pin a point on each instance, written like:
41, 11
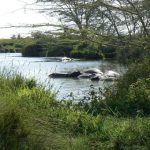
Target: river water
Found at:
40, 68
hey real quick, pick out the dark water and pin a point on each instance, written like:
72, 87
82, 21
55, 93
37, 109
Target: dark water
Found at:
40, 68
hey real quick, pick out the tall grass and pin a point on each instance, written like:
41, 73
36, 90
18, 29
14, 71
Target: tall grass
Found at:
32, 118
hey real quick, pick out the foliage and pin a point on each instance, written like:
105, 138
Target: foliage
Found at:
13, 133
86, 54
14, 45
129, 96
86, 50
109, 52
121, 98
134, 50
46, 46
139, 96
135, 71
61, 47
72, 45
34, 50
31, 118
121, 133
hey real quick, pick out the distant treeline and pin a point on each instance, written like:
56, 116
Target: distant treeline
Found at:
72, 45
14, 45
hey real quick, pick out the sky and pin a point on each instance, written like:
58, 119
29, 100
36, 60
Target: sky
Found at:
17, 12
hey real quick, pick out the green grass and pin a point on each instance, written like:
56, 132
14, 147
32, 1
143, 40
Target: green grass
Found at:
32, 118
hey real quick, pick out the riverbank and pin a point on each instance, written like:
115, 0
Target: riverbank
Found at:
32, 118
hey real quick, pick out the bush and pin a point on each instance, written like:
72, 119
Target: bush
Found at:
130, 54
122, 134
77, 54
86, 54
51, 48
131, 93
13, 133
139, 96
135, 71
86, 50
109, 52
59, 50
34, 50
129, 96
136, 49
31, 118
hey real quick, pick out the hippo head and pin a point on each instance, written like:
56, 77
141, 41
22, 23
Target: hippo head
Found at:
75, 74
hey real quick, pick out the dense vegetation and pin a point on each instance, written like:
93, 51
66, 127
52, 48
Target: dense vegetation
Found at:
46, 45
71, 46
14, 45
32, 118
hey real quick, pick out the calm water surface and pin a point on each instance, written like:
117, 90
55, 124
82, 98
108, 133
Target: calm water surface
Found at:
40, 68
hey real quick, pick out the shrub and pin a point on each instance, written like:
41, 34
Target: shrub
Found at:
86, 54
59, 50
130, 54
135, 71
122, 134
31, 118
13, 133
139, 96
86, 50
129, 96
34, 50
131, 93
109, 52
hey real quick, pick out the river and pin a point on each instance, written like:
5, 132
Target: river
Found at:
40, 67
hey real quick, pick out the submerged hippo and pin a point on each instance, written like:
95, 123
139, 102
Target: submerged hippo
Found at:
98, 77
90, 73
86, 75
66, 59
65, 75
108, 76
111, 73
93, 74
93, 71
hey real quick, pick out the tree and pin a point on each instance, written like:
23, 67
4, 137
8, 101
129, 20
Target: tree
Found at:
77, 13
104, 17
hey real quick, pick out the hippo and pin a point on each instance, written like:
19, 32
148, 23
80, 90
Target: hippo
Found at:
86, 75
111, 73
66, 59
93, 71
108, 76
98, 77
65, 75
93, 74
